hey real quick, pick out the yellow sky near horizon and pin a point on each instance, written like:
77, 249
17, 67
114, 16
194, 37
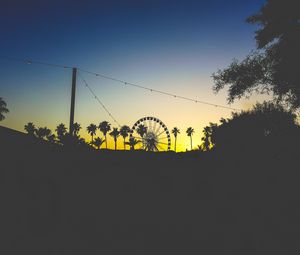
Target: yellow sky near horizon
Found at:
45, 101
183, 115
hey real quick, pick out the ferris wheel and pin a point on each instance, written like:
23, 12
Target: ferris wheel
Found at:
151, 134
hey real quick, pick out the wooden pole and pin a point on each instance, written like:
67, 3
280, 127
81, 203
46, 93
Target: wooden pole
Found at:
74, 75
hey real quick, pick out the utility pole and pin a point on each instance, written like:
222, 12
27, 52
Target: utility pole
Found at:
74, 75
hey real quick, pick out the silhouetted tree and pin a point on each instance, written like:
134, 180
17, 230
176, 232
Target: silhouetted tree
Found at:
48, 132
30, 128
51, 138
151, 145
190, 131
206, 139
132, 142
73, 141
124, 132
76, 128
115, 134
42, 133
104, 127
175, 131
141, 130
275, 65
98, 142
267, 127
61, 130
92, 128
3, 109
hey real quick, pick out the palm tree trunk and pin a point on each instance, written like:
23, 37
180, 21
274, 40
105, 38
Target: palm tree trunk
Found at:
124, 144
115, 144
191, 143
175, 143
105, 141
92, 138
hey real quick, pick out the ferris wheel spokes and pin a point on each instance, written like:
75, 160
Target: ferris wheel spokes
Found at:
146, 131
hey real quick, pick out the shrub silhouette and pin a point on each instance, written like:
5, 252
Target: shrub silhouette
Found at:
132, 142
97, 142
267, 126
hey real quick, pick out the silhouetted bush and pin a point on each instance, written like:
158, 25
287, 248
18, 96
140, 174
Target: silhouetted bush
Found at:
267, 127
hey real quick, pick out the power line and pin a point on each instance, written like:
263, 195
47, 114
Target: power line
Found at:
29, 61
158, 91
98, 100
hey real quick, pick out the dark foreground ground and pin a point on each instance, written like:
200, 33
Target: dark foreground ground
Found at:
78, 202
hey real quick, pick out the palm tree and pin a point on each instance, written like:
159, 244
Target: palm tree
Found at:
92, 128
30, 128
43, 132
208, 131
132, 142
40, 133
48, 132
51, 138
175, 131
98, 142
205, 139
141, 130
115, 133
124, 131
104, 127
76, 128
190, 131
3, 109
61, 130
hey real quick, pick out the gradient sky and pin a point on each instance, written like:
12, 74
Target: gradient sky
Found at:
173, 46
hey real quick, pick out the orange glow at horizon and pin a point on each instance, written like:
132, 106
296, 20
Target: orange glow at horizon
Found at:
183, 141
47, 106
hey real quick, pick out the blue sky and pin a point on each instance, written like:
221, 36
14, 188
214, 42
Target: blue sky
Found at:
169, 45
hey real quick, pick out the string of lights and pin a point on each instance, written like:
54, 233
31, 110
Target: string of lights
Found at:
98, 100
158, 91
29, 61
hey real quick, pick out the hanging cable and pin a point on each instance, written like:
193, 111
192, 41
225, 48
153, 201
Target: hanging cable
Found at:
98, 100
28, 61
158, 91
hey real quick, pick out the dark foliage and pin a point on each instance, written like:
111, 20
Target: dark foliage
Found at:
267, 127
274, 67
3, 109
60, 201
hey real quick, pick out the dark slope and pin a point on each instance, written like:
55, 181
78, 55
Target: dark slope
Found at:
85, 202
